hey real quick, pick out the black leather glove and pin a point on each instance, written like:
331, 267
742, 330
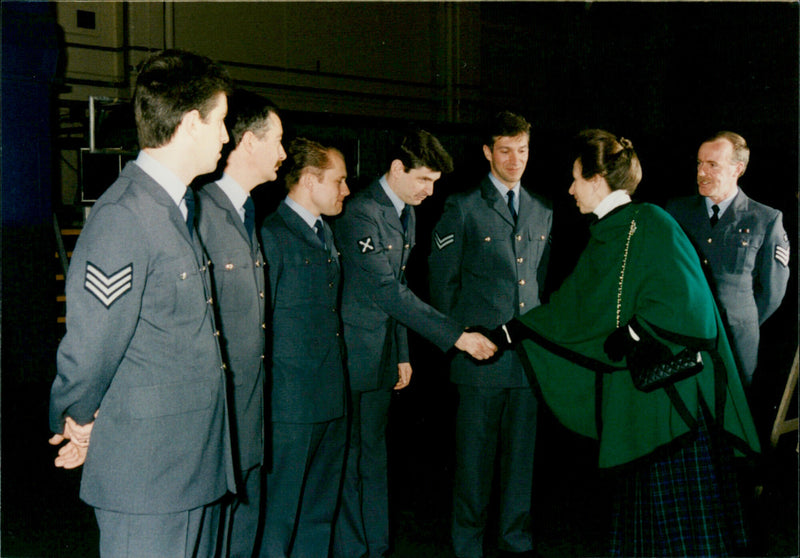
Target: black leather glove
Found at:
636, 344
619, 344
647, 351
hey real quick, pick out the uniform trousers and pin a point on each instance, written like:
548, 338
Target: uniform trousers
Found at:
242, 514
194, 533
303, 488
362, 528
491, 421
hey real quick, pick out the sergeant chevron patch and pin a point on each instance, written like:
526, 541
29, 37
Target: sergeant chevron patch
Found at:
443, 241
782, 255
108, 288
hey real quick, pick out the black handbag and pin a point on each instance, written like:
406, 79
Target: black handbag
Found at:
652, 365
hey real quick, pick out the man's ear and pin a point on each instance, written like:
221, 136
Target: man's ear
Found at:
487, 152
247, 140
189, 121
397, 167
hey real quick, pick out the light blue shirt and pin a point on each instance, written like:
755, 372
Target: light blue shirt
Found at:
304, 213
504, 190
165, 178
398, 204
235, 193
723, 205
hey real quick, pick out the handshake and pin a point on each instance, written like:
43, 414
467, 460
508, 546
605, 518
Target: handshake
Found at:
496, 340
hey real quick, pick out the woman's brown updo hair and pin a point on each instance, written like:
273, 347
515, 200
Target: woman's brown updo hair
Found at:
601, 152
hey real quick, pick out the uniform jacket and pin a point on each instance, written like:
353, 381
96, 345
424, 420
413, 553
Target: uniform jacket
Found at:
663, 287
485, 270
747, 253
237, 269
307, 370
377, 305
141, 349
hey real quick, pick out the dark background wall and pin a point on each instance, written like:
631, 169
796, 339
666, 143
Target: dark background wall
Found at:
664, 75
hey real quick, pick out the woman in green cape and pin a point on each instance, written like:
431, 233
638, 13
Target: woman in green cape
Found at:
638, 294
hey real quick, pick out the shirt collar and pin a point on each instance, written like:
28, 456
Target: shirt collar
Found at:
723, 205
611, 202
235, 193
163, 176
398, 204
502, 188
304, 213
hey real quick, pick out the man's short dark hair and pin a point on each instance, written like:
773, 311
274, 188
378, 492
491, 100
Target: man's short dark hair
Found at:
505, 124
170, 84
421, 149
248, 111
305, 154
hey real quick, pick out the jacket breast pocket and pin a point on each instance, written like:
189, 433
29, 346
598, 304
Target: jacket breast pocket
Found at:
740, 249
487, 250
175, 291
233, 279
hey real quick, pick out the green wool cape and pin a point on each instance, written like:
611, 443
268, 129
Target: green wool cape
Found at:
663, 286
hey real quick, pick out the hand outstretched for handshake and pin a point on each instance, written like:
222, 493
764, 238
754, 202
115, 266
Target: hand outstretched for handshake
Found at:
476, 344
505, 336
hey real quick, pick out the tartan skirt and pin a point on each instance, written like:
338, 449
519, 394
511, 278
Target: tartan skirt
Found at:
683, 503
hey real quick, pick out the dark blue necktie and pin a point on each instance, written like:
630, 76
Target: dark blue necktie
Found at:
249, 216
715, 217
188, 199
320, 231
404, 217
511, 205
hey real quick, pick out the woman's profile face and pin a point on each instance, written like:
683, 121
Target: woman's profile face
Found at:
585, 191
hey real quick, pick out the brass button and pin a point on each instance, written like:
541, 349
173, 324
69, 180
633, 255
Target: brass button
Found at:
228, 266
258, 263
263, 326
407, 246
542, 237
210, 300
261, 294
520, 260
216, 333
389, 247
522, 305
522, 281
487, 239
710, 240
183, 276
519, 237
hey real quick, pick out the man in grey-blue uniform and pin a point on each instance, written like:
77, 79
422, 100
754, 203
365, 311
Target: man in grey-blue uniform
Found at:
140, 393
741, 242
376, 235
226, 226
309, 427
487, 265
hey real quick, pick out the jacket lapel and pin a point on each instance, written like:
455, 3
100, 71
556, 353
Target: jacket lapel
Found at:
496, 202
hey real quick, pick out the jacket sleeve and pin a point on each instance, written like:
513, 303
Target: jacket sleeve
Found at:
772, 269
444, 262
105, 282
375, 272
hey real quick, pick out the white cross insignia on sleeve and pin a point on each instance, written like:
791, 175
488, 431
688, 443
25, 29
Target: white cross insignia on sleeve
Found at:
108, 288
443, 241
366, 245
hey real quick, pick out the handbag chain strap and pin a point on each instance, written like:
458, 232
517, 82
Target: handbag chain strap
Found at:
622, 271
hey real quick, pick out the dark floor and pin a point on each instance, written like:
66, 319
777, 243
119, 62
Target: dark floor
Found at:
43, 517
